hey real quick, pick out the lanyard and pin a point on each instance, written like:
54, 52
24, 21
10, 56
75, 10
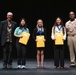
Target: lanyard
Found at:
23, 29
40, 31
59, 28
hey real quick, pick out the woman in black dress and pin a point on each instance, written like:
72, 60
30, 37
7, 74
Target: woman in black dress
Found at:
40, 31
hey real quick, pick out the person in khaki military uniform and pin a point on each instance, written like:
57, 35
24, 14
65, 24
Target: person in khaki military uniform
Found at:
71, 31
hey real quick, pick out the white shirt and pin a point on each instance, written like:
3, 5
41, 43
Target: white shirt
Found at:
57, 31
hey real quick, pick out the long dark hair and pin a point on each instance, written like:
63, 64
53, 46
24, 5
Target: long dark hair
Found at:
62, 24
24, 25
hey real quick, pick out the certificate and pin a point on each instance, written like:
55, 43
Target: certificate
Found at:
59, 39
40, 41
25, 38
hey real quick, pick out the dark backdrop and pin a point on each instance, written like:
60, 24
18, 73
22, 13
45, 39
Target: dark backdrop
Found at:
32, 10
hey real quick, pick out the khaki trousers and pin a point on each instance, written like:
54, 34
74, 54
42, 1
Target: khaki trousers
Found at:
72, 47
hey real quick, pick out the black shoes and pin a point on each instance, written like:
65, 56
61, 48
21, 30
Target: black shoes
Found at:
59, 67
4, 66
72, 66
7, 67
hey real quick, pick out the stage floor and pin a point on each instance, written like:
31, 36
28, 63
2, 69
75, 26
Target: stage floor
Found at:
31, 69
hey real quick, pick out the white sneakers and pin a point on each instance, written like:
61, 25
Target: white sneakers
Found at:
21, 66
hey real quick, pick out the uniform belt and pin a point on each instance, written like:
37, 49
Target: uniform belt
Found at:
72, 35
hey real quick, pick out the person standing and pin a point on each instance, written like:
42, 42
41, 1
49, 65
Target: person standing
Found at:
71, 32
7, 28
21, 48
58, 29
39, 31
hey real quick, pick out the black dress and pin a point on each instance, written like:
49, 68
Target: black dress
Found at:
36, 33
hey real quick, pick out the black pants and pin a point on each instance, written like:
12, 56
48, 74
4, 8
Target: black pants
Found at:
21, 54
7, 53
59, 56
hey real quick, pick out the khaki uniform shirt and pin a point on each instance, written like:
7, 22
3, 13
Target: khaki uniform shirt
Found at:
71, 27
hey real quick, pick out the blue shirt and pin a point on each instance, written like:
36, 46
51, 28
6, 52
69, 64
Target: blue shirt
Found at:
18, 31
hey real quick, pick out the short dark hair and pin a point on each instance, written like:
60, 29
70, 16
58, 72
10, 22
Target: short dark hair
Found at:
24, 25
71, 12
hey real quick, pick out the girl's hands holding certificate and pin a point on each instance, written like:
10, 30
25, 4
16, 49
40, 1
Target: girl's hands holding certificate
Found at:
63, 39
44, 40
54, 39
36, 40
